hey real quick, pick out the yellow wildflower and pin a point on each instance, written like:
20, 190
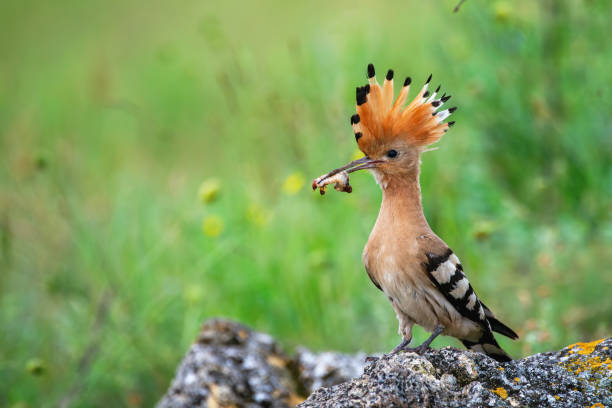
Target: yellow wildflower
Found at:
293, 183
502, 11
483, 229
212, 226
209, 190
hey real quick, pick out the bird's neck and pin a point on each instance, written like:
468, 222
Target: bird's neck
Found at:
401, 203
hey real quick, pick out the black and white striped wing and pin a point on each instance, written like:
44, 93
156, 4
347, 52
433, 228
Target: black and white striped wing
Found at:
446, 273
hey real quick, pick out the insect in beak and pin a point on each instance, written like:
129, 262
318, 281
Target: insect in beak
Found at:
339, 176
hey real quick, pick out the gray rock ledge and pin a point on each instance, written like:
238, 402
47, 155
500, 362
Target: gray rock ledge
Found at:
231, 366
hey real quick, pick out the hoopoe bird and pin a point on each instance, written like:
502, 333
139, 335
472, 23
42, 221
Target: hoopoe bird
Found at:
420, 275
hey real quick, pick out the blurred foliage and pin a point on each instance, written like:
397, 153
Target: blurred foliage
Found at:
154, 167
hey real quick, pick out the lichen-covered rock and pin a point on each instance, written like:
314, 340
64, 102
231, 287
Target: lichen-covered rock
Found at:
327, 368
230, 365
577, 376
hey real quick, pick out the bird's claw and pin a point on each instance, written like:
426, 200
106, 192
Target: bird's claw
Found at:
418, 350
400, 347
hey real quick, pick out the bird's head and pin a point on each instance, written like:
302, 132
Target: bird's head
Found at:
391, 134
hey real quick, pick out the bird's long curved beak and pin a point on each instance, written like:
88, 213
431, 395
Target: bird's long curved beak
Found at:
359, 164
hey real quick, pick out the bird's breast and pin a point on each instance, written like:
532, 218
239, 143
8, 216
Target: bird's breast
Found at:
392, 263
396, 266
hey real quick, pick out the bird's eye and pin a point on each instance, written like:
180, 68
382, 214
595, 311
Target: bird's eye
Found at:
392, 153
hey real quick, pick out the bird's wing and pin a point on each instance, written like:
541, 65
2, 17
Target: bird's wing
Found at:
446, 273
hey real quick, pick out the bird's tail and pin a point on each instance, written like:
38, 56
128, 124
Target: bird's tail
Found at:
498, 326
488, 345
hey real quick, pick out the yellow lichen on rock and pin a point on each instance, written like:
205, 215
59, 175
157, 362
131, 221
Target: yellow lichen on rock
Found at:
501, 392
592, 364
584, 348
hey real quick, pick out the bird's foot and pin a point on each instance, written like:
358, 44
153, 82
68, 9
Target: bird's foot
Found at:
418, 349
403, 346
425, 346
400, 347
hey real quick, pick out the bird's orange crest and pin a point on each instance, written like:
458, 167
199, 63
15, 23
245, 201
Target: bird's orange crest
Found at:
380, 119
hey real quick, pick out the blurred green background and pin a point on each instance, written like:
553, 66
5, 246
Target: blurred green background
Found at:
155, 167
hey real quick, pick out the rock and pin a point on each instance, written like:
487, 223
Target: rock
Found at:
327, 368
577, 376
230, 365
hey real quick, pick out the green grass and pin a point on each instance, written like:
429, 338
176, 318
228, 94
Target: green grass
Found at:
113, 114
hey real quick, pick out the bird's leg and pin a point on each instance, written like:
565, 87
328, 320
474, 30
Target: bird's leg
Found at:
423, 347
404, 330
400, 347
